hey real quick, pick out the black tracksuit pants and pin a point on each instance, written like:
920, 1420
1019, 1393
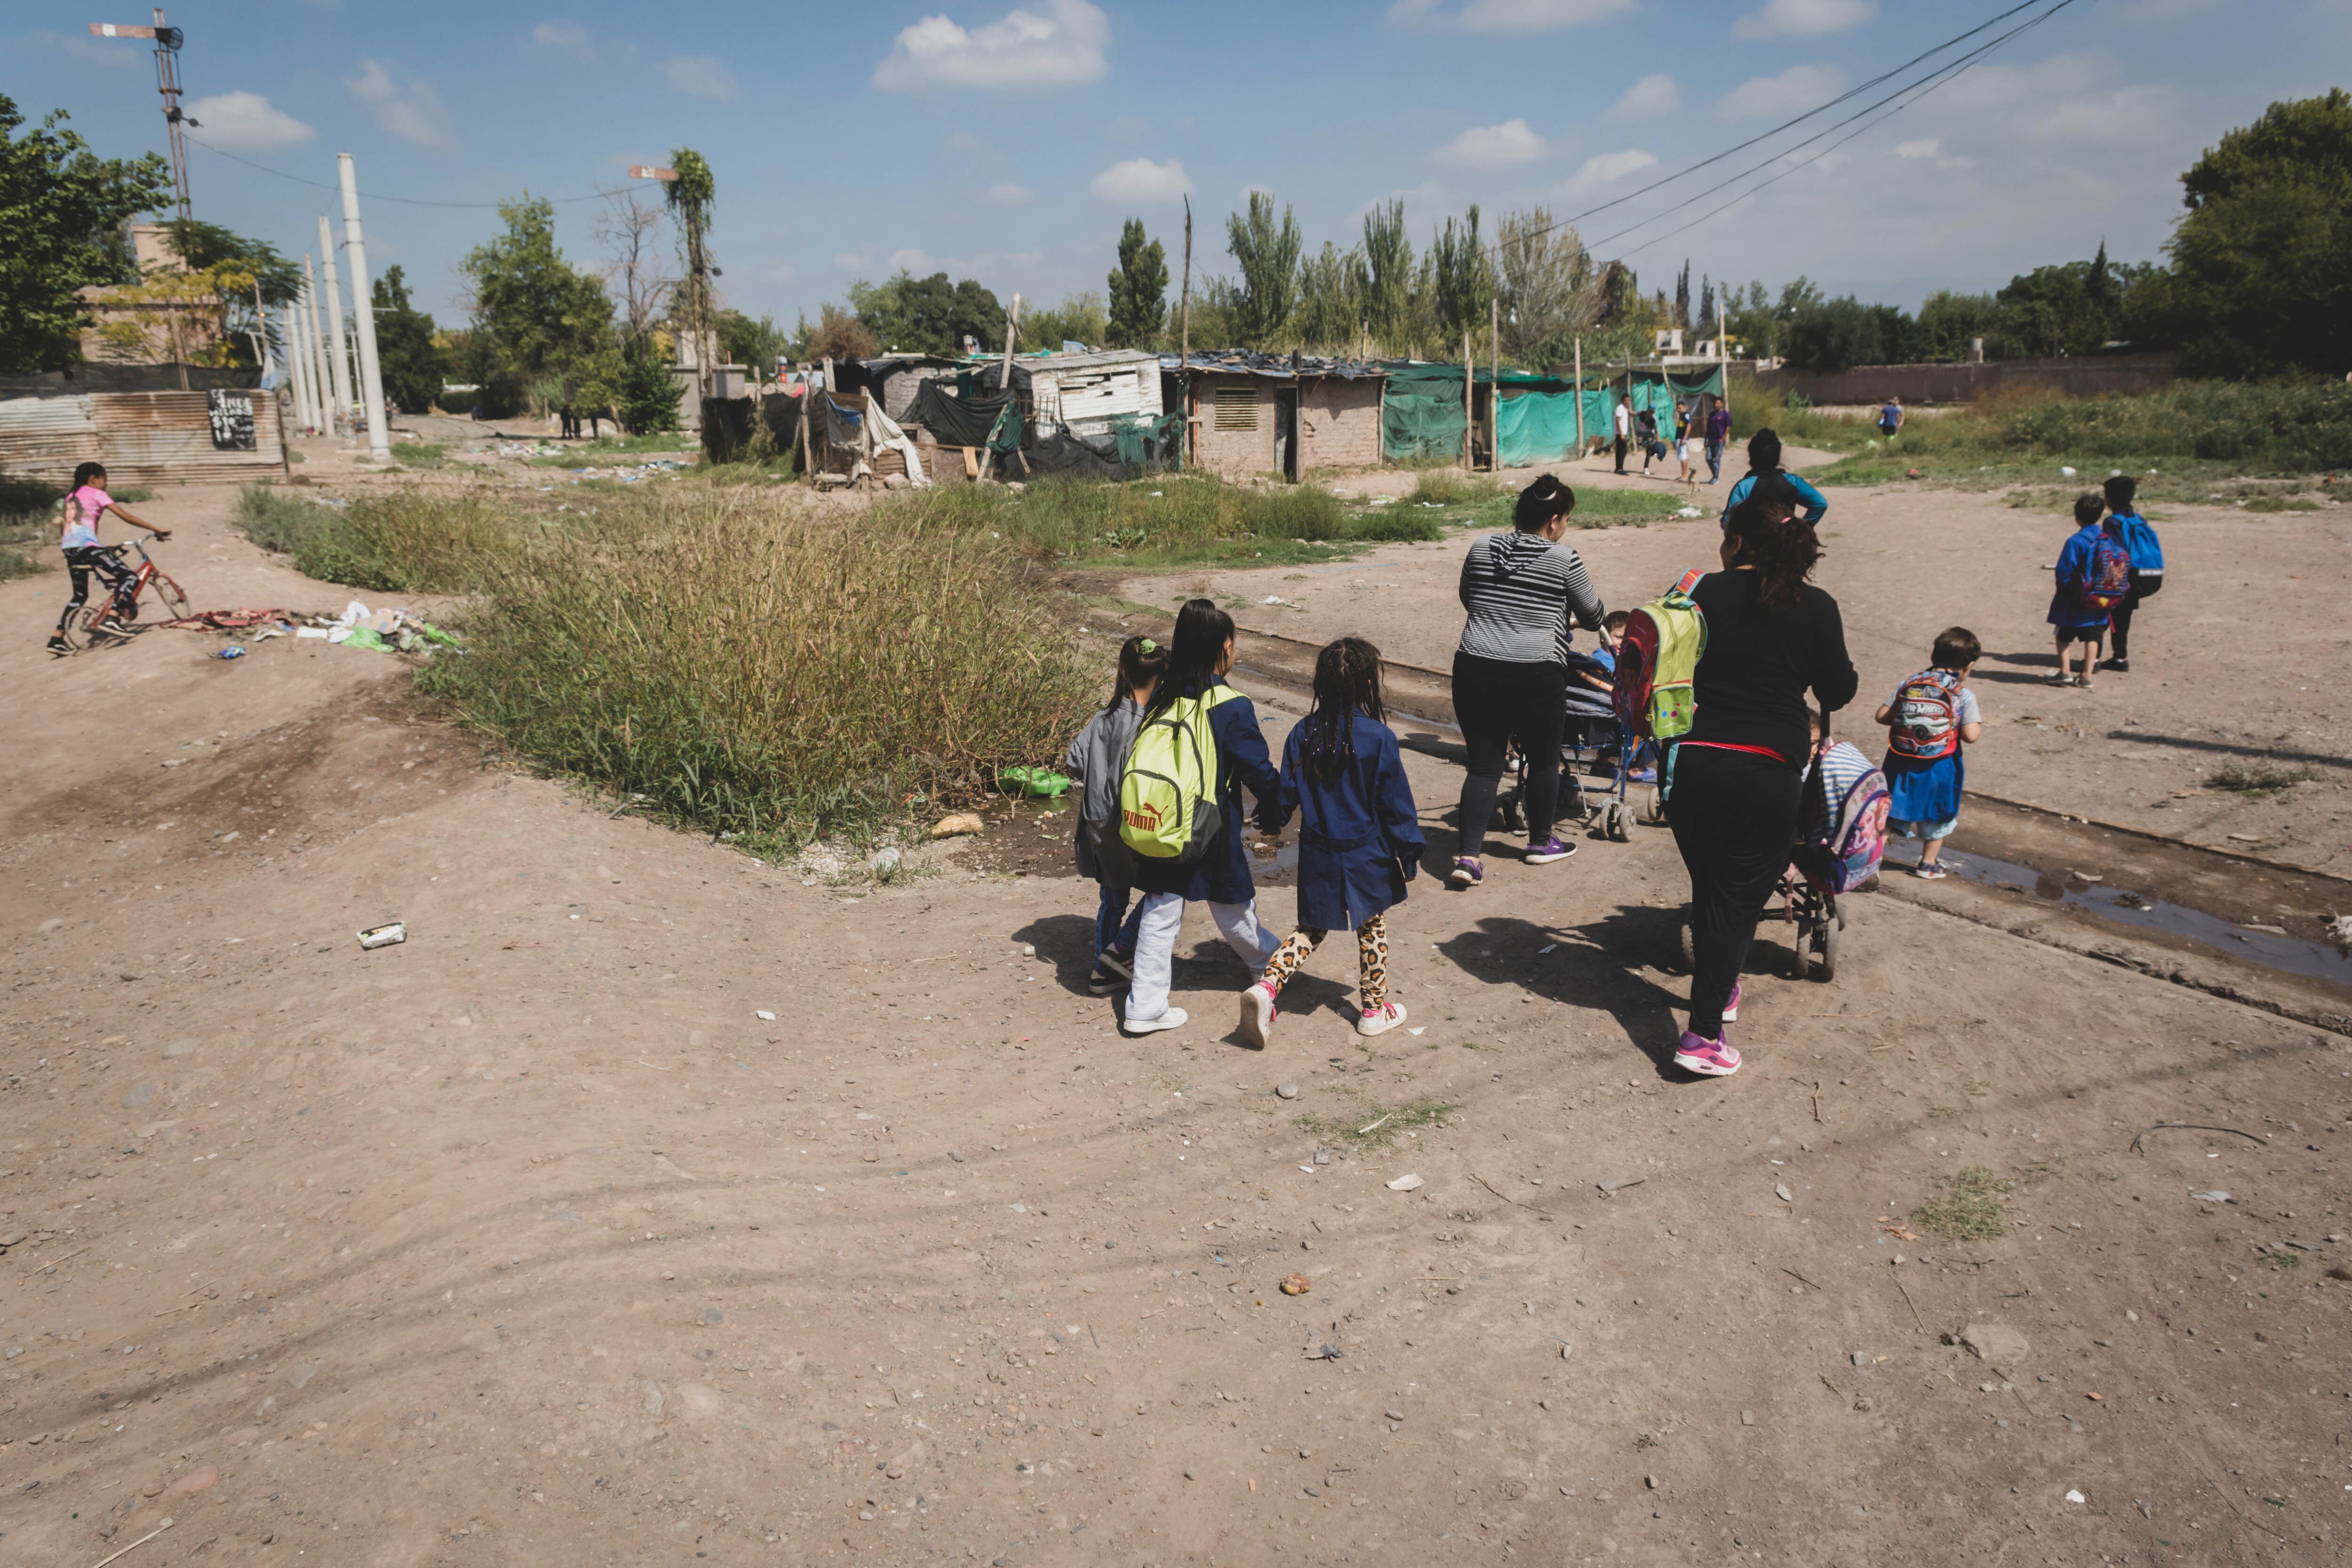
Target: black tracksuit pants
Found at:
1734, 816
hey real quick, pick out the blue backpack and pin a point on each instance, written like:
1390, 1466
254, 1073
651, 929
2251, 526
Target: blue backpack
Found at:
2147, 549
2106, 576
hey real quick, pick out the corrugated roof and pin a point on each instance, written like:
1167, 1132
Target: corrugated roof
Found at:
1094, 358
1278, 367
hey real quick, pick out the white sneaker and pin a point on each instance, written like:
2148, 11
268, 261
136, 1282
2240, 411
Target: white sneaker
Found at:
1257, 1015
1380, 1020
1174, 1018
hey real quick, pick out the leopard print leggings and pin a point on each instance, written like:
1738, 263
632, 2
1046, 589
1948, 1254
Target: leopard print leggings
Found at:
1371, 960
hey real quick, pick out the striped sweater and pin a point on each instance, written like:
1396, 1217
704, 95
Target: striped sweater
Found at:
1521, 591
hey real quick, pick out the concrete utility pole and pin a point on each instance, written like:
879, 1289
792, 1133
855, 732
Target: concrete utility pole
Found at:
339, 374
321, 386
297, 381
363, 306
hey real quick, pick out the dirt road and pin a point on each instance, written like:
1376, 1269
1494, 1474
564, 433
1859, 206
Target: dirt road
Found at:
534, 1240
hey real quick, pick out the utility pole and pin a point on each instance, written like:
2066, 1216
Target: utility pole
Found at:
294, 367
1184, 335
167, 82
364, 307
322, 386
338, 376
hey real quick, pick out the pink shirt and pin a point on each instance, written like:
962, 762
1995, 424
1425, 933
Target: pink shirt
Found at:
83, 509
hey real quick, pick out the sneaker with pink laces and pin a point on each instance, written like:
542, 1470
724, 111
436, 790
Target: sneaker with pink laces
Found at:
1709, 1058
1379, 1020
1257, 1015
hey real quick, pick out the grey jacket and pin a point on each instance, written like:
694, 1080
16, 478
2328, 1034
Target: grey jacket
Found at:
1096, 759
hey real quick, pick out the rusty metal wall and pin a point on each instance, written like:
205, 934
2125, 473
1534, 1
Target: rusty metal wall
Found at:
142, 437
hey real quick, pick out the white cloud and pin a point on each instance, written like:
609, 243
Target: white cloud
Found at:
1140, 182
1647, 99
567, 37
1505, 15
1928, 147
700, 76
246, 122
1608, 168
413, 113
1795, 89
1007, 194
1493, 146
1804, 19
1061, 46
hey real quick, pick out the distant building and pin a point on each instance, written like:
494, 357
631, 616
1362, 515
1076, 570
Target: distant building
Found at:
145, 323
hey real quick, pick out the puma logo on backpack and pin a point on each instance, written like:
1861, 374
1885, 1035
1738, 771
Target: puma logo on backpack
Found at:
1656, 661
1926, 723
1167, 792
2106, 579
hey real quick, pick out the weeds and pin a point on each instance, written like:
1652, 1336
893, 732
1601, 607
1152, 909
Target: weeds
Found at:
403, 543
1175, 519
1970, 1209
421, 454
1376, 1128
2259, 778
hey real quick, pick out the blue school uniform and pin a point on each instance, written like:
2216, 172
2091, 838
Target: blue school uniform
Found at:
1927, 789
1360, 837
1223, 875
2067, 610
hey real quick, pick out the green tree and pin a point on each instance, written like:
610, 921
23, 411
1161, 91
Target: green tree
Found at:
2261, 280
538, 321
1138, 289
692, 196
1080, 318
62, 209
1550, 293
1330, 311
1949, 323
744, 342
907, 314
1386, 286
1463, 280
1836, 334
645, 398
838, 334
2069, 309
404, 350
209, 247
1267, 254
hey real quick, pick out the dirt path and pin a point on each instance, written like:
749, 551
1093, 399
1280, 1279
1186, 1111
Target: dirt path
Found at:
532, 1240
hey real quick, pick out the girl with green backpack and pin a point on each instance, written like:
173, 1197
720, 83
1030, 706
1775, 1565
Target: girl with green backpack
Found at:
1180, 811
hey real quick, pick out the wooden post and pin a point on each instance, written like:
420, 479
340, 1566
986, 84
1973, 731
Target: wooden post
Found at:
1011, 331
1468, 377
1184, 342
1495, 393
1579, 396
801, 436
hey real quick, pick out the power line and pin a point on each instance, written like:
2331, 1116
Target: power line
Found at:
404, 201
1909, 95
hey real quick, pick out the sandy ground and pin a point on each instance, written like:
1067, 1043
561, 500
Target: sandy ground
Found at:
532, 1240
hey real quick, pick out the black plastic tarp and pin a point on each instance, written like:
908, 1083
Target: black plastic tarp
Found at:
965, 421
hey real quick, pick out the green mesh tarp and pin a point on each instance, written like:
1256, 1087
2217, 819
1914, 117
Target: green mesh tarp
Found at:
1422, 420
1537, 427
1422, 413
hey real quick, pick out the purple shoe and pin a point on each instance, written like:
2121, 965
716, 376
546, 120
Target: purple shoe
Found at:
1467, 873
1544, 854
1709, 1058
1731, 1009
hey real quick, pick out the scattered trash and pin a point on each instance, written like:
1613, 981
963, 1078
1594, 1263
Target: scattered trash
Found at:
1781, 1189
1549, 947
1287, 1091
384, 935
1611, 1189
1277, 599
230, 653
1325, 1353
1418, 1029
2065, 470
1034, 780
884, 860
2215, 1197
1295, 1285
763, 1016
1404, 1184
321, 633
1689, 511
1384, 500
1028, 950
959, 826
2075, 1496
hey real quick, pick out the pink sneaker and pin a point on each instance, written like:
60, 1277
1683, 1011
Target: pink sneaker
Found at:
1709, 1058
1257, 1015
1731, 1009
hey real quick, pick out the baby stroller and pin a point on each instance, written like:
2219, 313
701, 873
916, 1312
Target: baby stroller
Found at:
1591, 731
1839, 842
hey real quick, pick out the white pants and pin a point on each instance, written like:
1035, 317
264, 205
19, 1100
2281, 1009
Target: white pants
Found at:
1155, 948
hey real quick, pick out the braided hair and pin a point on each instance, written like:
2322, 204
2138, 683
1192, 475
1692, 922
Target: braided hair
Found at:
1347, 683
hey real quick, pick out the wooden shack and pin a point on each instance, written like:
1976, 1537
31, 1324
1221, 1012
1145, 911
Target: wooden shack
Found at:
1262, 414
1083, 392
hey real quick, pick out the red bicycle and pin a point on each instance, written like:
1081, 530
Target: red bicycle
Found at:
116, 615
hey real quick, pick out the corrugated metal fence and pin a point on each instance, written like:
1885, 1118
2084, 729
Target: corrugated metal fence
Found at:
142, 437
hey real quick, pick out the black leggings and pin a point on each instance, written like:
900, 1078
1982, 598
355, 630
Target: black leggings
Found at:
1735, 820
2119, 619
1493, 701
81, 561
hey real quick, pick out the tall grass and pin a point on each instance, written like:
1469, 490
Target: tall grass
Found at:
749, 670
28, 520
408, 542
1172, 520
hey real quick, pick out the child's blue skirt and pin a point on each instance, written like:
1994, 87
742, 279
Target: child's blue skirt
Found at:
1924, 791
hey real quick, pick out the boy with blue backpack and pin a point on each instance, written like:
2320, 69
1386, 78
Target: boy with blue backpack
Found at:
2093, 576
2147, 552
1930, 717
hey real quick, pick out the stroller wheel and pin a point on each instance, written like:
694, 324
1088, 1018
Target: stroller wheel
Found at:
1617, 823
1654, 806
1825, 952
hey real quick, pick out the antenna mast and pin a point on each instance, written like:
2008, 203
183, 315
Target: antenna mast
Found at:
167, 82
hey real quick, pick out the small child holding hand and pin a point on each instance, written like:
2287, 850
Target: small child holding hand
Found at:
1930, 717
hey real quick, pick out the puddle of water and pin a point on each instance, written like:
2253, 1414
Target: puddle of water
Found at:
2313, 960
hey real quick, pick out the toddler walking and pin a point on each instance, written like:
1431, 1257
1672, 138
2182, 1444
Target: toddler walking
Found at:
1094, 760
1930, 717
1360, 837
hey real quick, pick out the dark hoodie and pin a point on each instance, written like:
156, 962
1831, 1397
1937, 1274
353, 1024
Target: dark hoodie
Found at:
1521, 590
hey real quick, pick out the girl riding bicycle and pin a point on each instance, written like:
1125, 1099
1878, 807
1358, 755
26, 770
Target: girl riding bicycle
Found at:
84, 553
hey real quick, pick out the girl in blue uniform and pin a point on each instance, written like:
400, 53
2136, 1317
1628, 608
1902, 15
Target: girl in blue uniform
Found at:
1360, 837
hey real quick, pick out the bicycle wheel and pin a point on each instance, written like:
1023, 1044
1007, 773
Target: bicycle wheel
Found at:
81, 628
175, 597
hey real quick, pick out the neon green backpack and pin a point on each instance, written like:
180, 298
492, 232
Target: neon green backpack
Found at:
1657, 658
1167, 792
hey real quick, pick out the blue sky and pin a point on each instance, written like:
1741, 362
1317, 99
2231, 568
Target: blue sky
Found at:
1008, 141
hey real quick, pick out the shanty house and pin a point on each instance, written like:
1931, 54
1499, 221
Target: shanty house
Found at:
1083, 392
1277, 413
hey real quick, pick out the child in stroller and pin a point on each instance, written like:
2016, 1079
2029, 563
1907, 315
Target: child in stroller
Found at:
1591, 740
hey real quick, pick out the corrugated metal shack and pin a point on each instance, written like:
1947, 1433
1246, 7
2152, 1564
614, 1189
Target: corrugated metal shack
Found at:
1082, 393
893, 378
223, 437
1277, 413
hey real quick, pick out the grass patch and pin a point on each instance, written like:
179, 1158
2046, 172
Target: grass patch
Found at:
611, 450
421, 454
2258, 777
403, 543
742, 669
1376, 1127
1970, 1209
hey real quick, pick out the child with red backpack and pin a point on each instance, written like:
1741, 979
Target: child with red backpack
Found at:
2094, 577
1930, 717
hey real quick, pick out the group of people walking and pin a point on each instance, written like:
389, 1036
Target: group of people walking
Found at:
1775, 664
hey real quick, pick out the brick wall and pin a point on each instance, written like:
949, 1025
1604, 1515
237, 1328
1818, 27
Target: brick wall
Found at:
1339, 424
1227, 400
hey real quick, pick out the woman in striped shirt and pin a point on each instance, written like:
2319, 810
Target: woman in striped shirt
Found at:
1523, 590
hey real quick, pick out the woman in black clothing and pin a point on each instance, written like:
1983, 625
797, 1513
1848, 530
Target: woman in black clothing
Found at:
1772, 637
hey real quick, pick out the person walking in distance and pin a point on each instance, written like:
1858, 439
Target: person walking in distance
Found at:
1764, 464
1522, 590
1890, 418
1771, 638
1624, 428
1718, 431
2146, 566
77, 537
